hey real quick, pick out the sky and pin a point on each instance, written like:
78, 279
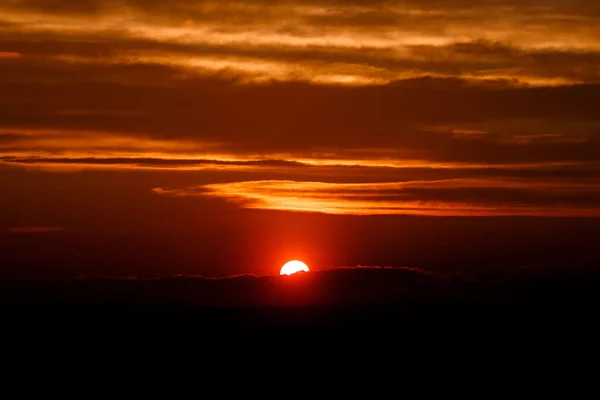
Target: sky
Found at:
215, 138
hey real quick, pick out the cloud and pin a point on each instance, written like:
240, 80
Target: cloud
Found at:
35, 229
320, 90
8, 54
359, 166
452, 197
417, 120
342, 42
363, 285
346, 288
164, 163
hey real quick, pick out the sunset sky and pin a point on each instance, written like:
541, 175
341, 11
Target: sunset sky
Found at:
153, 137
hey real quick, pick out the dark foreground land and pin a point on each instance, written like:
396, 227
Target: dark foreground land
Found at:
379, 303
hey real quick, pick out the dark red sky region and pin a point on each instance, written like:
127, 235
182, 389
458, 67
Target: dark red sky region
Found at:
215, 138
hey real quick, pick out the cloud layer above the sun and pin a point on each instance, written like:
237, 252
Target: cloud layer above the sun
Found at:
456, 107
348, 42
451, 197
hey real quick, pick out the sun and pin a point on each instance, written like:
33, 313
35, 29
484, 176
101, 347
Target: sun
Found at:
293, 267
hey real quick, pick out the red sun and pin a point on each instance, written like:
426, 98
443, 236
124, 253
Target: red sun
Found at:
293, 267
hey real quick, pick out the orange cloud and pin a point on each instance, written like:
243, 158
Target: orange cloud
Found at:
329, 87
9, 54
349, 43
454, 197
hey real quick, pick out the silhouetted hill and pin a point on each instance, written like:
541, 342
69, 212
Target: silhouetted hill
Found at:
357, 297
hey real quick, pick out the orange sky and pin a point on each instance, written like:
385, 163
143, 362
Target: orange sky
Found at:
444, 108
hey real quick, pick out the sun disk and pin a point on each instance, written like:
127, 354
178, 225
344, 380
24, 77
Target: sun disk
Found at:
293, 267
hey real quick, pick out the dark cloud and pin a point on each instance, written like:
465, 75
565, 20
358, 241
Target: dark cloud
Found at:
344, 287
305, 119
360, 168
153, 162
36, 229
315, 288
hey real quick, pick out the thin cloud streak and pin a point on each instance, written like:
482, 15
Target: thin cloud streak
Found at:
458, 197
35, 229
183, 162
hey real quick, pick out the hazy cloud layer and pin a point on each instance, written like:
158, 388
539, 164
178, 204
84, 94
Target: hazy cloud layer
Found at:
538, 42
349, 287
339, 286
467, 197
35, 229
426, 120
351, 91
